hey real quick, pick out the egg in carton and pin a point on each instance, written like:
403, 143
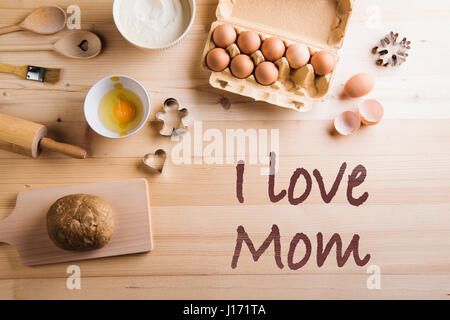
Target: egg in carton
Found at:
318, 25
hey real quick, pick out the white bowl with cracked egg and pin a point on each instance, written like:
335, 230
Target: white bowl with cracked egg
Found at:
154, 24
97, 92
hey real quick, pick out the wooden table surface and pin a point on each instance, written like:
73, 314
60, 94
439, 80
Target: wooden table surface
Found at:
404, 225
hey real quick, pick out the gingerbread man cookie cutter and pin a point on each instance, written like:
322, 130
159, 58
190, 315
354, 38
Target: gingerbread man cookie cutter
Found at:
174, 118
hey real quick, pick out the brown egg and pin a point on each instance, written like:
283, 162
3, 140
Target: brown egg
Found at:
273, 49
323, 63
248, 42
359, 85
242, 66
224, 35
266, 73
218, 59
298, 55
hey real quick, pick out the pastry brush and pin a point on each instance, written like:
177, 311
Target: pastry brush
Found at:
50, 75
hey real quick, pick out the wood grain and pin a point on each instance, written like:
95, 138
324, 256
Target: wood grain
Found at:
26, 227
404, 225
230, 287
20, 71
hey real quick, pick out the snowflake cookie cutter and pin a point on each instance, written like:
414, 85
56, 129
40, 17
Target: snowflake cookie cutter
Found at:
174, 118
391, 50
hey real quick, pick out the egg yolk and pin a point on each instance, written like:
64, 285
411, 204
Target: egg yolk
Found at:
124, 111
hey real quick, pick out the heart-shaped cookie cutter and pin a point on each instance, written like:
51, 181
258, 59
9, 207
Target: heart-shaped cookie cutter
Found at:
155, 161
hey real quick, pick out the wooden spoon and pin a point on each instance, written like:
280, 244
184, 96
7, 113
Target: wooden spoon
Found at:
76, 44
43, 20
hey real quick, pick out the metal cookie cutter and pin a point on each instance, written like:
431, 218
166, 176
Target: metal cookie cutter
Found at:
155, 161
174, 118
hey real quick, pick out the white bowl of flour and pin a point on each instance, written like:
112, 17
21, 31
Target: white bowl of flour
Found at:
154, 24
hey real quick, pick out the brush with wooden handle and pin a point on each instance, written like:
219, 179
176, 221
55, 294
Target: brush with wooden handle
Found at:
50, 75
26, 137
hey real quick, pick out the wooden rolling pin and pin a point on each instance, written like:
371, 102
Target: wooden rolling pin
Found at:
26, 137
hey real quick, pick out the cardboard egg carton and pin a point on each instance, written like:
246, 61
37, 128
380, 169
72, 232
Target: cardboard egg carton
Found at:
318, 24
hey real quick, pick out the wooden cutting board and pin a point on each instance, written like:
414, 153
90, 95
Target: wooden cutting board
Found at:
26, 227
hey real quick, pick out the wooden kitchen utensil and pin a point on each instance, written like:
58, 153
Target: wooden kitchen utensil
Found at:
76, 44
49, 75
43, 20
26, 227
26, 137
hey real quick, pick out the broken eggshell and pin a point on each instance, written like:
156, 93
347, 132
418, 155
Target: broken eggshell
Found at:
371, 112
347, 123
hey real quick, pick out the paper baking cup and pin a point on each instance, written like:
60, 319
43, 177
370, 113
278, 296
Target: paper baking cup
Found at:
191, 4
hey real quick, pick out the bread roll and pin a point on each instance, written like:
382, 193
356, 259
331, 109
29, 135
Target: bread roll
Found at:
80, 222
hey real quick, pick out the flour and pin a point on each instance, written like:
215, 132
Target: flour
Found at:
153, 23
